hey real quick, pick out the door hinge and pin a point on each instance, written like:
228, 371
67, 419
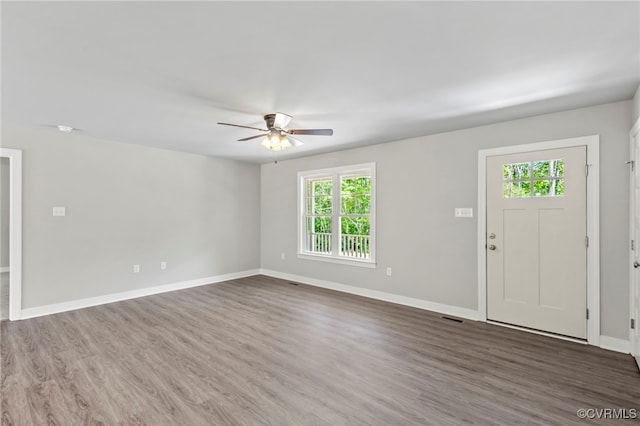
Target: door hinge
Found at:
586, 241
586, 170
633, 324
633, 244
587, 313
633, 165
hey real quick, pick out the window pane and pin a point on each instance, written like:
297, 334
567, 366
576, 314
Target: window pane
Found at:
319, 234
548, 188
320, 224
557, 168
355, 185
537, 179
355, 225
356, 204
541, 169
518, 189
320, 204
548, 168
355, 194
354, 237
506, 190
541, 188
319, 187
516, 171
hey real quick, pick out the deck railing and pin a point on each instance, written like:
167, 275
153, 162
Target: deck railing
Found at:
355, 246
320, 243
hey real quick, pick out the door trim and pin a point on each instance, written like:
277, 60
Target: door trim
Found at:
15, 231
593, 222
633, 280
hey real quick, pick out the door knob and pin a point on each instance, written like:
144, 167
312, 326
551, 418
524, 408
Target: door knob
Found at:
636, 264
493, 247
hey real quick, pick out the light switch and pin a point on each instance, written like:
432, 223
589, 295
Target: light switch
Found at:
59, 211
464, 212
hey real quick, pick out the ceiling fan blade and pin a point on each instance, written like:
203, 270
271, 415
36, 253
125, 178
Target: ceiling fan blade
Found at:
251, 137
281, 120
244, 127
317, 132
294, 141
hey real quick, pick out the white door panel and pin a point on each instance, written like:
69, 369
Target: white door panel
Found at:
537, 255
635, 235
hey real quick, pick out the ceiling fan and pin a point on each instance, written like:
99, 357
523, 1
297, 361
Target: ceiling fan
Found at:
276, 136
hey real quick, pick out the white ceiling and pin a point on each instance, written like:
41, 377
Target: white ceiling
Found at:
163, 73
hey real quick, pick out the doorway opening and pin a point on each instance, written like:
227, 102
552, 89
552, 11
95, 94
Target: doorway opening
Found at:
539, 181
11, 206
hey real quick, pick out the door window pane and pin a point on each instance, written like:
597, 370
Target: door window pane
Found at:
516, 171
543, 178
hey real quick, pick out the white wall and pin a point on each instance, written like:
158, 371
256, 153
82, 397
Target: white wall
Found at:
127, 205
421, 181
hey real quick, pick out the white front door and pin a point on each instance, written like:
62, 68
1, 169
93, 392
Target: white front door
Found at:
536, 240
635, 236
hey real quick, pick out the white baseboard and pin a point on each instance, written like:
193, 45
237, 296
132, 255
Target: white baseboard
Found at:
379, 295
132, 294
4, 269
615, 344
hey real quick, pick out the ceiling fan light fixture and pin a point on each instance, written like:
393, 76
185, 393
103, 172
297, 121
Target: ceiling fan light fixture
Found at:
275, 142
65, 129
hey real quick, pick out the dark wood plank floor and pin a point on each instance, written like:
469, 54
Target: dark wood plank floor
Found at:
263, 351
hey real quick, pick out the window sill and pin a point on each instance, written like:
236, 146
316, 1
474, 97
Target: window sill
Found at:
339, 260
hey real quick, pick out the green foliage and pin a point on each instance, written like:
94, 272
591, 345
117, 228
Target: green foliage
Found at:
537, 179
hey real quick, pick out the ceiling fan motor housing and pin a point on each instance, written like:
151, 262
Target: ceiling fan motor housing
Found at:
270, 120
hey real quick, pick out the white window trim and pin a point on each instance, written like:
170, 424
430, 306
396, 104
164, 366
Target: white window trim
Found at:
335, 258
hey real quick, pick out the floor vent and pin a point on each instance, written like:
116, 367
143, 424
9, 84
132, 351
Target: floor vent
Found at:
292, 283
452, 319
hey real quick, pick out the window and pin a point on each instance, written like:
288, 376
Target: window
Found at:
534, 179
337, 214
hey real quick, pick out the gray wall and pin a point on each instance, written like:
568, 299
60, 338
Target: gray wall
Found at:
4, 212
636, 106
421, 181
128, 205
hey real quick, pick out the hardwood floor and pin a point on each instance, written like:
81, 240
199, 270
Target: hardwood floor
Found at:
263, 351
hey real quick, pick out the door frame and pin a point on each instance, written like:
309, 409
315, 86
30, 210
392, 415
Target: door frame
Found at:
593, 222
15, 231
633, 279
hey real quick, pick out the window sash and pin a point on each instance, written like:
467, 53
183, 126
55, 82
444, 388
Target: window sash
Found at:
360, 248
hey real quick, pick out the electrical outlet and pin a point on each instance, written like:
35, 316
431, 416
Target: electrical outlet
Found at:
389, 272
163, 265
282, 256
136, 269
59, 211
